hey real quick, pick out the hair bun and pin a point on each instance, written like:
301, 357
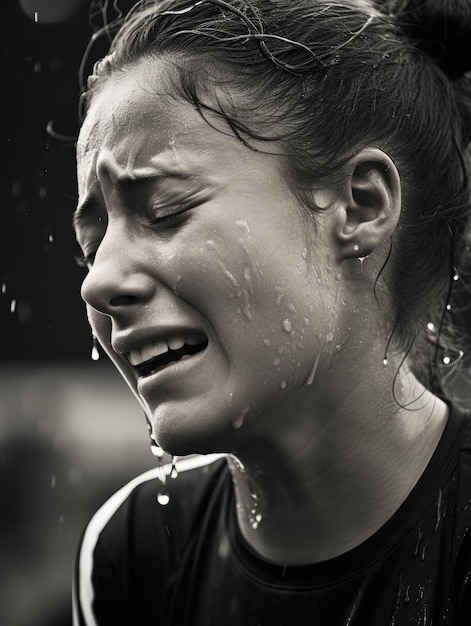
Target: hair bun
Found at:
442, 28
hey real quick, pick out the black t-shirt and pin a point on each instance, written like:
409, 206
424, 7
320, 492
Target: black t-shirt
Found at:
186, 564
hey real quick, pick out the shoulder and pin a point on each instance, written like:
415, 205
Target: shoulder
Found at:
132, 536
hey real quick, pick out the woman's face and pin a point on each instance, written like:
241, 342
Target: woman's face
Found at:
212, 290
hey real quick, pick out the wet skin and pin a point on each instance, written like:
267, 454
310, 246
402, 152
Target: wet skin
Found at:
189, 232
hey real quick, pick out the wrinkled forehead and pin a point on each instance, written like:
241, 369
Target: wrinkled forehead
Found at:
131, 115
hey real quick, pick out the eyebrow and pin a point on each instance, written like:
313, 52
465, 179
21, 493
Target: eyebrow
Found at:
125, 184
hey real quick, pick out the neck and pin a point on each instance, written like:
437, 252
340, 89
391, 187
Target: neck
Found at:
310, 497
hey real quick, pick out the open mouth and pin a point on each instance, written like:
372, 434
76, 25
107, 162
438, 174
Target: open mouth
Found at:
156, 356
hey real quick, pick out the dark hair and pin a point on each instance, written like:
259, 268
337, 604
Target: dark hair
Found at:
326, 78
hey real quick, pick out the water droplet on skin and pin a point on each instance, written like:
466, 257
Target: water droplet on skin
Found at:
287, 326
238, 421
283, 384
210, 244
312, 373
178, 278
280, 294
291, 306
304, 253
163, 497
242, 224
267, 343
448, 307
13, 306
248, 279
385, 361
276, 362
306, 321
281, 349
446, 360
329, 338
431, 326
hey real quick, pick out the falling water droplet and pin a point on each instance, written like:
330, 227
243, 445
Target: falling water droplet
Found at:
287, 326
163, 497
13, 306
156, 450
51, 238
95, 354
4, 288
280, 294
53, 481
173, 469
283, 384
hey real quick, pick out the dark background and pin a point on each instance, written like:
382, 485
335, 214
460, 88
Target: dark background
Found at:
70, 431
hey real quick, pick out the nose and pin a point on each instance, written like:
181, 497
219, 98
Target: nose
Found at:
117, 281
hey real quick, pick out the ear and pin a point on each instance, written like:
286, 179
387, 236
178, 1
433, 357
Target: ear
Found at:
367, 204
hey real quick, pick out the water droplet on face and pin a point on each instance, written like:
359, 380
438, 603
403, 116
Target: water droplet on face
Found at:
280, 294
163, 497
178, 278
242, 224
283, 384
306, 321
281, 349
431, 326
210, 244
312, 373
291, 307
385, 361
238, 421
267, 343
287, 325
304, 253
329, 338
276, 362
446, 360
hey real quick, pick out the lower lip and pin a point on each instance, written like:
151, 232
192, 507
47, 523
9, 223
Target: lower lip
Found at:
179, 368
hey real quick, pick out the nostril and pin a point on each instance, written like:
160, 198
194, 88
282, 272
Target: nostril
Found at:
118, 301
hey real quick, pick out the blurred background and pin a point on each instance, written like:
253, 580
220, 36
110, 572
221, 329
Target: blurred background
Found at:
70, 431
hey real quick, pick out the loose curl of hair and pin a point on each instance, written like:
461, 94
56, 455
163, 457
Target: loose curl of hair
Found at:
325, 79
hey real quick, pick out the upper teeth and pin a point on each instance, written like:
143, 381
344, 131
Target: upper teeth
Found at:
151, 350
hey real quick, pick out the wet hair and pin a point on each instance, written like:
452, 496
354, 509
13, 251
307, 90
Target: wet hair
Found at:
324, 79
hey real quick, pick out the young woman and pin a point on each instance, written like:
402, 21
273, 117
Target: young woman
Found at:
273, 209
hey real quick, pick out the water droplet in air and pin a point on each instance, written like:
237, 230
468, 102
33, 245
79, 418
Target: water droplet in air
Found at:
53, 481
173, 469
287, 325
4, 287
456, 277
163, 497
448, 307
95, 354
13, 306
283, 384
